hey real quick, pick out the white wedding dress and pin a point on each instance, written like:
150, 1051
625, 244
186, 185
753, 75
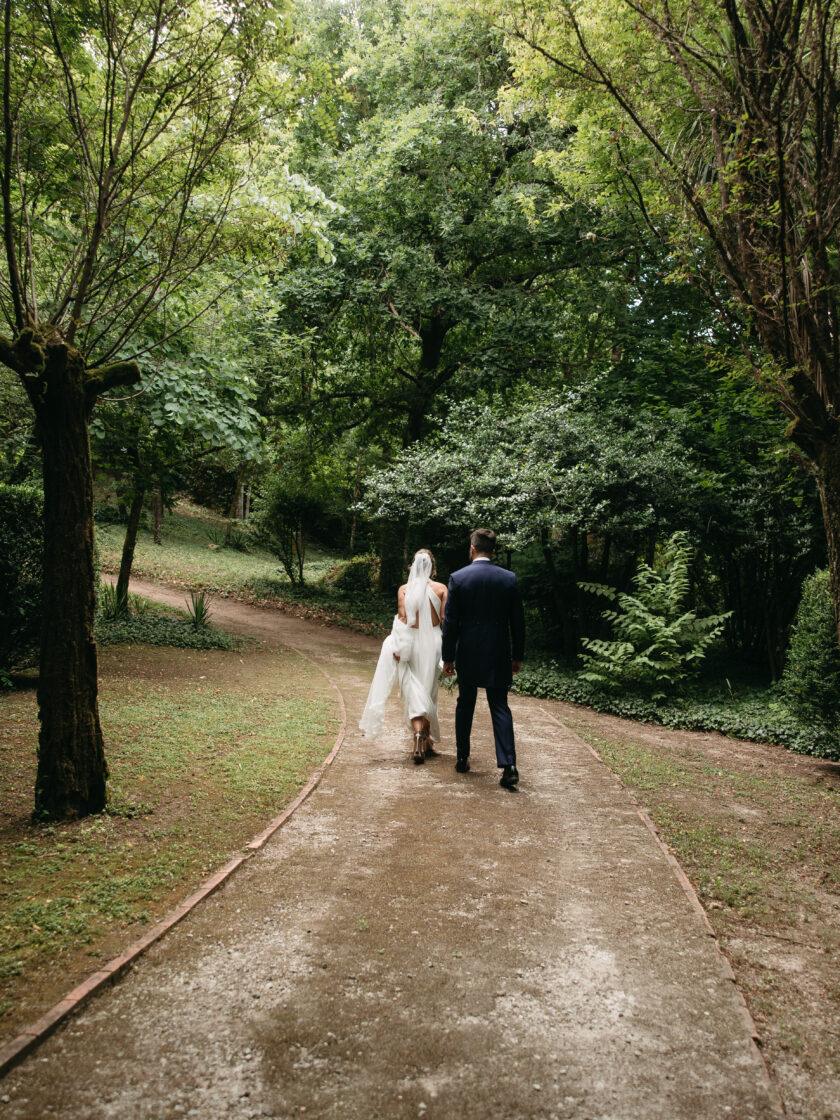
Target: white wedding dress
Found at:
419, 663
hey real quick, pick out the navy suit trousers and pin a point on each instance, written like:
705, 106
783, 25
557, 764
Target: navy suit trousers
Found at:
499, 714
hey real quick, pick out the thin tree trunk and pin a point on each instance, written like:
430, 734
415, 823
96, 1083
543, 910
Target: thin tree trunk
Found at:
158, 508
828, 484
129, 544
72, 771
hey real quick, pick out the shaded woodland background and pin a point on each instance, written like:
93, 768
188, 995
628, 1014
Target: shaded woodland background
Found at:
426, 268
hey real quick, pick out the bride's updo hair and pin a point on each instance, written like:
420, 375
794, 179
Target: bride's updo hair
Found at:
428, 552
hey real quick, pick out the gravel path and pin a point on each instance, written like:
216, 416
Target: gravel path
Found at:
418, 943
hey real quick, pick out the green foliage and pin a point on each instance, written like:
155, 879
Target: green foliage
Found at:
756, 716
106, 514
283, 522
215, 535
21, 568
657, 642
545, 466
239, 540
417, 310
811, 680
113, 605
295, 501
160, 630
359, 574
198, 608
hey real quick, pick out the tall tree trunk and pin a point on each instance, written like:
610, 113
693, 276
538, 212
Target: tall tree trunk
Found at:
72, 771
828, 484
158, 508
129, 544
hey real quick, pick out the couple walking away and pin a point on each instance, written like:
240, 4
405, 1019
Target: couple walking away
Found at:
475, 628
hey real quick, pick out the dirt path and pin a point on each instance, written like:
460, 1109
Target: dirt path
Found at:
417, 943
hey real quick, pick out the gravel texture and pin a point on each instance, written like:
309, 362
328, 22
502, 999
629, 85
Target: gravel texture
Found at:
419, 943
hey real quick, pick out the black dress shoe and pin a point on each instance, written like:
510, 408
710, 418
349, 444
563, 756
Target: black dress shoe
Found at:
509, 778
462, 766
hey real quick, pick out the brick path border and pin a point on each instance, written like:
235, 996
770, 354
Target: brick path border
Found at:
33, 1035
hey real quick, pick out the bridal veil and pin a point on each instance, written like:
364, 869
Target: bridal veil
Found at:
418, 649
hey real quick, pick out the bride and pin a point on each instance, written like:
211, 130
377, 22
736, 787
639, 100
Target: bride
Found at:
411, 652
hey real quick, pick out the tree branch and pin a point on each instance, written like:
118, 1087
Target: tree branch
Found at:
98, 381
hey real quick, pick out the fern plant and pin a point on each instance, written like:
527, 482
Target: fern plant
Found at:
656, 642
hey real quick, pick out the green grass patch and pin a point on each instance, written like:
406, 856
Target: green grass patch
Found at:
204, 747
757, 845
755, 714
193, 556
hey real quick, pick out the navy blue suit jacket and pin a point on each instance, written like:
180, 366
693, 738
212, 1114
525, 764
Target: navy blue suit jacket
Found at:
484, 625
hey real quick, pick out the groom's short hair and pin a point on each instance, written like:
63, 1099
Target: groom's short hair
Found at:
483, 541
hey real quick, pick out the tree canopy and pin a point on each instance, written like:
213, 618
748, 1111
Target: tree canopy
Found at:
567, 269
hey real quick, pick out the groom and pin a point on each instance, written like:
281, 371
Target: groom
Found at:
484, 639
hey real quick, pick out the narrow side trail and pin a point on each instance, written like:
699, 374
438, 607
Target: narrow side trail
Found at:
419, 943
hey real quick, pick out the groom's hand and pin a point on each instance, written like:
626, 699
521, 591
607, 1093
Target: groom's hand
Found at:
516, 666
449, 668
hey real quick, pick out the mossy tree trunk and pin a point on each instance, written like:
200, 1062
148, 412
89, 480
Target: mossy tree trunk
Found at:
71, 756
72, 770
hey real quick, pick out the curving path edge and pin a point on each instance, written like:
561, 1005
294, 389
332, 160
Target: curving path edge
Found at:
416, 943
34, 1034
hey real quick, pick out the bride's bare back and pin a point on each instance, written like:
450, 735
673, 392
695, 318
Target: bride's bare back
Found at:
440, 593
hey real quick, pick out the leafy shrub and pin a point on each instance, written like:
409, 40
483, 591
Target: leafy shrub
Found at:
657, 643
21, 574
106, 514
137, 605
283, 523
361, 573
160, 630
760, 716
811, 680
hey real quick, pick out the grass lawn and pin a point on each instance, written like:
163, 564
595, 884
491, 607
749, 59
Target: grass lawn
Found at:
757, 830
192, 556
204, 748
